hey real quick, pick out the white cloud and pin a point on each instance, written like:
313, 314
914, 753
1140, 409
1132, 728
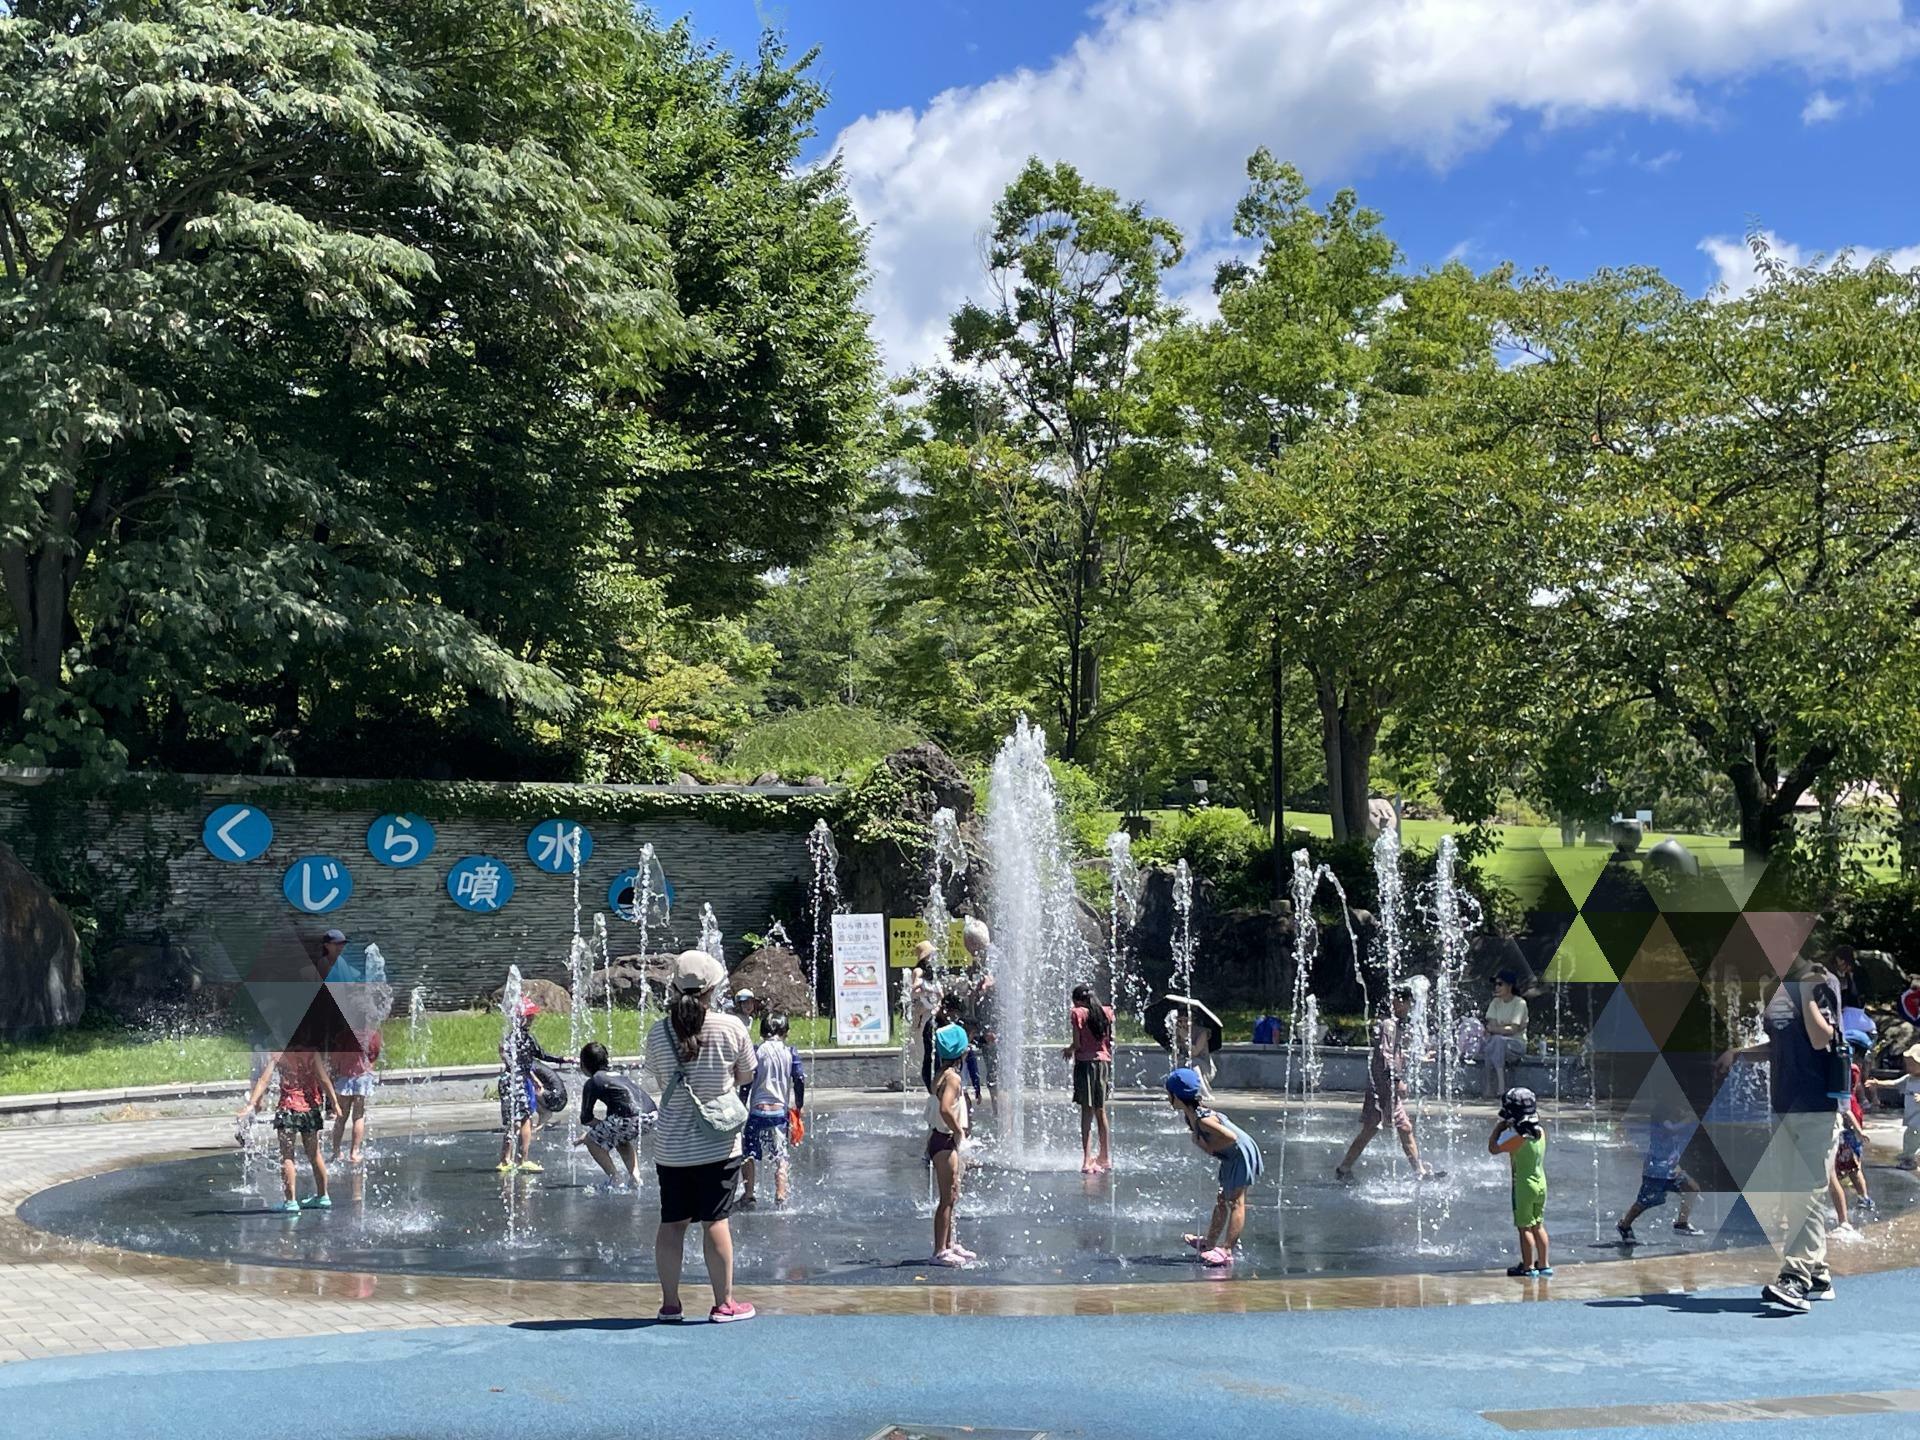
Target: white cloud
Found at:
1736, 272
1164, 99
1820, 108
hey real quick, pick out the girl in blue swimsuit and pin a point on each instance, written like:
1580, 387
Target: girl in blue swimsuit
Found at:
1239, 1160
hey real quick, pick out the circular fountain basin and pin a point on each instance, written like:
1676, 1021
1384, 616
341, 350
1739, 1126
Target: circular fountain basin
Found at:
860, 1210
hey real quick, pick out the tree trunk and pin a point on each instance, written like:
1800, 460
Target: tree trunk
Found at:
1349, 751
1766, 799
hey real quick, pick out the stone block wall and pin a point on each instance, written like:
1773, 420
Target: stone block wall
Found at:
227, 914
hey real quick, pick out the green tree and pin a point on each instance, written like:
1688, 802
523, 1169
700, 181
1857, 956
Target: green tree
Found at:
222, 226
1035, 502
1737, 508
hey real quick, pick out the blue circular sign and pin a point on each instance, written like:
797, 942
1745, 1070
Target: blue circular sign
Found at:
237, 833
481, 883
401, 841
316, 884
622, 900
559, 846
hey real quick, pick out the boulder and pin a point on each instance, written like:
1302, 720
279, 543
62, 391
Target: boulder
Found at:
139, 980
546, 994
1879, 975
766, 777
776, 977
41, 987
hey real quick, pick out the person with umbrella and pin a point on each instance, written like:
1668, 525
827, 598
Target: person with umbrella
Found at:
1189, 1032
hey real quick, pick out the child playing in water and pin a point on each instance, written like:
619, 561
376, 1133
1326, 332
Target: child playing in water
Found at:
1092, 1056
629, 1109
353, 1081
1909, 1087
1667, 1136
306, 1092
1519, 1136
778, 1092
1239, 1161
1386, 1091
520, 1092
1848, 1173
947, 1127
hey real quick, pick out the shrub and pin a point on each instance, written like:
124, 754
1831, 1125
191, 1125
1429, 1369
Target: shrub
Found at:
1886, 917
1219, 842
829, 740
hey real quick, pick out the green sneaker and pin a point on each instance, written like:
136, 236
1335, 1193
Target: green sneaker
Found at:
317, 1202
285, 1207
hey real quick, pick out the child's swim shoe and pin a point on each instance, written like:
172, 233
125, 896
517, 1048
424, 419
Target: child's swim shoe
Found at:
1627, 1237
317, 1202
1216, 1257
1541, 1272
732, 1310
287, 1207
950, 1259
964, 1253
1687, 1227
533, 1167
670, 1315
1519, 1272
505, 1167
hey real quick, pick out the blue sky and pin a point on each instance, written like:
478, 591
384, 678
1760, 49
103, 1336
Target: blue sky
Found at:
1567, 134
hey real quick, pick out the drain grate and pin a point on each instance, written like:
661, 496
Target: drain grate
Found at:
953, 1432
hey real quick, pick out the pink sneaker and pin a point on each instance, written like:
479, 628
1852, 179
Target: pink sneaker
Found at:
732, 1310
1217, 1257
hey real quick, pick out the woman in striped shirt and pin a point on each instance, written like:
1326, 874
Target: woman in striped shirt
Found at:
696, 1054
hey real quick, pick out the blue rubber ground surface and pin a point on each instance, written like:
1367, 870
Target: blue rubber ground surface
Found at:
1414, 1372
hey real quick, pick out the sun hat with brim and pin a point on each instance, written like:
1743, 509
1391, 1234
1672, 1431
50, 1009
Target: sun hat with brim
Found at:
333, 937
950, 1042
695, 970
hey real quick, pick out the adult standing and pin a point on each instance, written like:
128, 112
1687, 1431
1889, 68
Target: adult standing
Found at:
697, 1058
984, 999
1505, 1023
1808, 1083
925, 999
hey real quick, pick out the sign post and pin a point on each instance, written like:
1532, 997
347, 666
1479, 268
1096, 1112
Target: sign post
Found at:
860, 979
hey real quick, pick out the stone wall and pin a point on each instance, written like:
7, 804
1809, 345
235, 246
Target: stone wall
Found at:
231, 915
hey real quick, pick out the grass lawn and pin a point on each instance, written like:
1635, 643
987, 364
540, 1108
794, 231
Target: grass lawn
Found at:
109, 1057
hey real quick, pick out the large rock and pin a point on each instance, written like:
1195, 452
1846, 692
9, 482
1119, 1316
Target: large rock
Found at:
881, 876
776, 977
139, 980
41, 986
548, 995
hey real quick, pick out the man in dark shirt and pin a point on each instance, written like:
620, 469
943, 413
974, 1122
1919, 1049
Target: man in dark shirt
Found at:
1808, 1083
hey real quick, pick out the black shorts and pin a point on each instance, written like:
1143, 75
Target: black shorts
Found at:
702, 1194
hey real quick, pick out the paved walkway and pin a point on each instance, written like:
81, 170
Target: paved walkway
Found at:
1670, 1366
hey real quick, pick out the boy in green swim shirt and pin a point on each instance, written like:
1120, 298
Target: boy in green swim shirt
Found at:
1518, 1135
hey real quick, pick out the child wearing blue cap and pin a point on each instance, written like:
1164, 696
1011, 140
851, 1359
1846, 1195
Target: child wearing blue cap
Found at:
1239, 1161
947, 1127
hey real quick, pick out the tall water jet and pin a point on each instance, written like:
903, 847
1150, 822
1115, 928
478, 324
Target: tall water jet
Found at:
603, 950
1040, 950
1182, 929
711, 942
511, 1075
1392, 910
650, 902
823, 900
946, 862
417, 1038
1303, 1018
1454, 915
1124, 882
